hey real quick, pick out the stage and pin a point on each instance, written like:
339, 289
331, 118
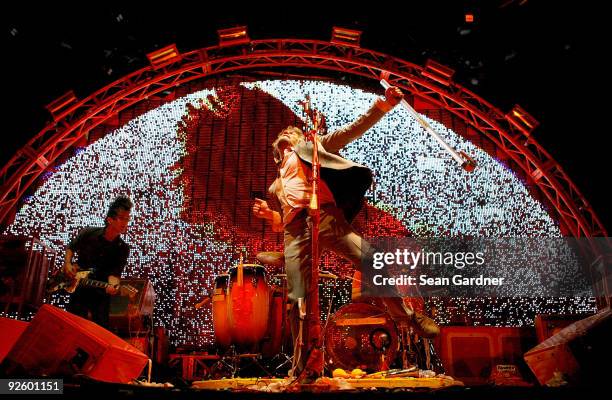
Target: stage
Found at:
425, 217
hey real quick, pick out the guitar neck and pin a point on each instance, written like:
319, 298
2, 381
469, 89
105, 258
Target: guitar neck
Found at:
94, 283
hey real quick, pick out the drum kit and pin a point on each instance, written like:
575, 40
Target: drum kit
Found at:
250, 322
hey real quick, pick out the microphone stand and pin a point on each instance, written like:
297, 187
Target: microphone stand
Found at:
314, 364
466, 162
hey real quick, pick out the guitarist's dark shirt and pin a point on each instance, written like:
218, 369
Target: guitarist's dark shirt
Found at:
95, 252
105, 258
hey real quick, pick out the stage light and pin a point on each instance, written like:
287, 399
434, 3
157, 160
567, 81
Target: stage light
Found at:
346, 37
522, 120
61, 104
164, 56
469, 18
539, 173
31, 154
438, 72
233, 36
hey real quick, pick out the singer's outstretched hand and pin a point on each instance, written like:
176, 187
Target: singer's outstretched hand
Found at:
393, 95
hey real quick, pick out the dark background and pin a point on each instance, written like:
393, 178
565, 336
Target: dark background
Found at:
546, 56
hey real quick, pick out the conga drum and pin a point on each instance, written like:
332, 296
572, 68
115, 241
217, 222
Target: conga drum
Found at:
278, 335
248, 304
223, 336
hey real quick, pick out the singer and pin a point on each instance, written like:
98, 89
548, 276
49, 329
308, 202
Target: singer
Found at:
341, 192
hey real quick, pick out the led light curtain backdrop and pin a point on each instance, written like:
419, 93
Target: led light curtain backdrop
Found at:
193, 166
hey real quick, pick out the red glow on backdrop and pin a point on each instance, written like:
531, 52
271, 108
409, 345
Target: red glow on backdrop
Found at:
228, 163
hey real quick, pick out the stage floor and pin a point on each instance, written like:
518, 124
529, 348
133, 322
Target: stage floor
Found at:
325, 384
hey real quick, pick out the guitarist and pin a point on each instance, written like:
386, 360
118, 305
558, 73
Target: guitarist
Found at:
104, 251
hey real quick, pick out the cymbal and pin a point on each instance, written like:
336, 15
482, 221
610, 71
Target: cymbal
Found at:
327, 275
272, 258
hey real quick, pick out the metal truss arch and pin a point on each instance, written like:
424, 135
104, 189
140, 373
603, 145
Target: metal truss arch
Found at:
73, 123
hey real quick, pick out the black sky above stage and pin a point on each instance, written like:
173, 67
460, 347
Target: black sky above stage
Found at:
545, 56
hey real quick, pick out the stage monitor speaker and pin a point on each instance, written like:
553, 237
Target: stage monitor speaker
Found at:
142, 343
578, 354
57, 343
547, 325
11, 331
470, 353
133, 315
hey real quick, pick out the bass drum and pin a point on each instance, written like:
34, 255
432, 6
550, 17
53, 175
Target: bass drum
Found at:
360, 335
248, 305
223, 335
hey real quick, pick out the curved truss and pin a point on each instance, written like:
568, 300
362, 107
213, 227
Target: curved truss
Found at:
72, 124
